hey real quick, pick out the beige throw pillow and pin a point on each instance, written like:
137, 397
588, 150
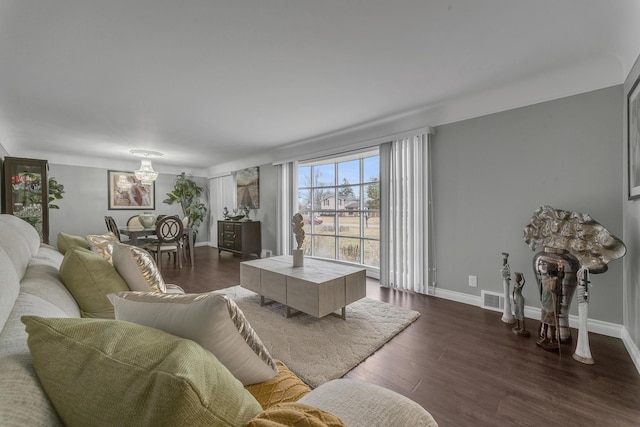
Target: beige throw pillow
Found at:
110, 373
103, 244
89, 278
137, 268
212, 320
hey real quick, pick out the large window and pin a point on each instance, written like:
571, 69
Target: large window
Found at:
339, 199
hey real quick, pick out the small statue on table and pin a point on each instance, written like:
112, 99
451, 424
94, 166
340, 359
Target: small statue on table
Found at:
297, 222
518, 304
225, 213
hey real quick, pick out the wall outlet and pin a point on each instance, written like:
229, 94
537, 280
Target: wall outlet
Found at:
473, 281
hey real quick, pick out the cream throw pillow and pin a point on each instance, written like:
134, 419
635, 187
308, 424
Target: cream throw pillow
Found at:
89, 278
110, 373
103, 244
137, 268
212, 320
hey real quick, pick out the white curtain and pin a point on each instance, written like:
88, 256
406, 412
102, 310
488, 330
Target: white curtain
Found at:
286, 199
221, 193
404, 201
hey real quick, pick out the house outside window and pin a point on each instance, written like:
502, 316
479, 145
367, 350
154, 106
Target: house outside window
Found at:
339, 199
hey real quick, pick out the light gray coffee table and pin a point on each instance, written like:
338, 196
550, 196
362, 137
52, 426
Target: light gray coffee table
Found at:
318, 288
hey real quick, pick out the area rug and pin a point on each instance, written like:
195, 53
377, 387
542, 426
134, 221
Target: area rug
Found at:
319, 350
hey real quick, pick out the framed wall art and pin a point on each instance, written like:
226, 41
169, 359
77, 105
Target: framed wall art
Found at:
633, 138
248, 189
127, 192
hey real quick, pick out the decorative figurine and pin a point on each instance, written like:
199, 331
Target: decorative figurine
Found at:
518, 304
507, 315
583, 352
297, 223
225, 213
552, 276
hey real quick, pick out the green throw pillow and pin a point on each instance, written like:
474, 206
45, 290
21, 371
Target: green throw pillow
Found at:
65, 241
114, 373
89, 278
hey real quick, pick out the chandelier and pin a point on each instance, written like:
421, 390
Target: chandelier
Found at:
146, 175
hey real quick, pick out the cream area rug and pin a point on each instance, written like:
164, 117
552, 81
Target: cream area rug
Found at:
319, 350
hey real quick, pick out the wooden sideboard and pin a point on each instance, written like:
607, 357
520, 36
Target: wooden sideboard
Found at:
240, 237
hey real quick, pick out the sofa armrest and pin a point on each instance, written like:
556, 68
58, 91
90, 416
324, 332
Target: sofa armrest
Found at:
358, 403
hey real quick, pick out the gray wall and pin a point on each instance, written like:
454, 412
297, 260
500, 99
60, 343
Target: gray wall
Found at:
490, 174
85, 203
631, 276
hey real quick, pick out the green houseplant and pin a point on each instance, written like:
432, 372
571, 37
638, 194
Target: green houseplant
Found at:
187, 192
55, 192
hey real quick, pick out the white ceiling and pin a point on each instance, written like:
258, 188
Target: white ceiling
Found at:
208, 82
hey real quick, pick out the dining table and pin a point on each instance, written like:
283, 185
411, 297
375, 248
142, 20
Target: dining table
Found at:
136, 232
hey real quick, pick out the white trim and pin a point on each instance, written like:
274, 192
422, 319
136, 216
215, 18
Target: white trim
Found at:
632, 348
593, 325
347, 146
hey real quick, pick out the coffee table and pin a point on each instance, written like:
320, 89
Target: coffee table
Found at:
318, 288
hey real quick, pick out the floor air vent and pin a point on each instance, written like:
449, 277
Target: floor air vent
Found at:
492, 300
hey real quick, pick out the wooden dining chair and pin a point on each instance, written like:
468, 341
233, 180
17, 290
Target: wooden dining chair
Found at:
134, 221
185, 242
169, 231
112, 226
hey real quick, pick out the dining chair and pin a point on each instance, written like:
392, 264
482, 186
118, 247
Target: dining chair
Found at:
186, 248
112, 226
169, 231
134, 221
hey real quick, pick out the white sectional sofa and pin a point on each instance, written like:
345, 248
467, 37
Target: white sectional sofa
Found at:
30, 284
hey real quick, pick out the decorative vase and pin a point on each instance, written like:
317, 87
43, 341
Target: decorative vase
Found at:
548, 265
147, 219
298, 257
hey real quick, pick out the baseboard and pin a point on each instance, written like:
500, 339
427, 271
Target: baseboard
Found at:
632, 348
593, 325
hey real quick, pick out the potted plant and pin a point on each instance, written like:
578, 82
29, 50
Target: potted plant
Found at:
55, 192
187, 192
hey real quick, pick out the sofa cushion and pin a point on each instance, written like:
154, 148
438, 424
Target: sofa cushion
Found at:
381, 407
120, 373
26, 231
9, 288
294, 414
15, 245
65, 241
212, 320
285, 387
89, 278
137, 267
103, 244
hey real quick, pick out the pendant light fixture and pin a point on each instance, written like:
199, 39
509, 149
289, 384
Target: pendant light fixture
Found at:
146, 175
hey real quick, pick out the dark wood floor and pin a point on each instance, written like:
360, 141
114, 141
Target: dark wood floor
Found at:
467, 368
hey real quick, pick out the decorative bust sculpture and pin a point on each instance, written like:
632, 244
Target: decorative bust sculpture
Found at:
297, 222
